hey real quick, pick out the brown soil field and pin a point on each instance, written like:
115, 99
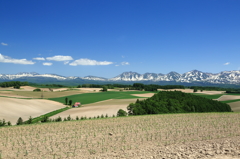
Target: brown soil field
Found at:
170, 136
211, 92
12, 108
228, 97
27, 92
109, 107
147, 95
27, 88
89, 89
235, 106
48, 94
12, 94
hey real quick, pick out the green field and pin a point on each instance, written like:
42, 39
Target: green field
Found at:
88, 98
215, 96
230, 101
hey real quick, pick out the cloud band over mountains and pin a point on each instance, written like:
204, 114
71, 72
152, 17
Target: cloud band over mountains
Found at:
85, 61
67, 60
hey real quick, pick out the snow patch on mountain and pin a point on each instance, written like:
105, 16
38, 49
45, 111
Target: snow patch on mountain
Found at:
225, 77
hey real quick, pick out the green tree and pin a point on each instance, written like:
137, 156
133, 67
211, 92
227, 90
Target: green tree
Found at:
70, 102
17, 87
69, 118
9, 123
66, 100
19, 121
58, 119
104, 88
37, 90
195, 90
30, 121
121, 113
130, 108
2, 122
45, 119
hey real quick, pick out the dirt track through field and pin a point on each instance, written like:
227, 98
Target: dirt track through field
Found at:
109, 107
13, 108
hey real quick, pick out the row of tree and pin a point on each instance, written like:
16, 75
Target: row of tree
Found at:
228, 90
109, 86
135, 86
233, 91
15, 84
176, 102
46, 119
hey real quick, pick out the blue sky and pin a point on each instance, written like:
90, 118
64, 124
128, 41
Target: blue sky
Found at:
107, 37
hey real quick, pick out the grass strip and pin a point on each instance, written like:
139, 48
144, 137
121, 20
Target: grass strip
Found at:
39, 118
215, 96
233, 94
230, 101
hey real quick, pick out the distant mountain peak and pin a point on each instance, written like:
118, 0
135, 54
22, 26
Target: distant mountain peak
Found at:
224, 77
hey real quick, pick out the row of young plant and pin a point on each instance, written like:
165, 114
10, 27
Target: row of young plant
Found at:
4, 123
46, 119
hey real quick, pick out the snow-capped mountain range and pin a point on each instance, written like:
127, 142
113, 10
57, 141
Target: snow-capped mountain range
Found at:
225, 77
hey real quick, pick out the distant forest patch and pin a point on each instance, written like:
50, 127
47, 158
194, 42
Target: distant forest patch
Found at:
176, 102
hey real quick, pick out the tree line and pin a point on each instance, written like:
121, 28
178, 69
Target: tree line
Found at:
15, 84
134, 86
208, 88
46, 119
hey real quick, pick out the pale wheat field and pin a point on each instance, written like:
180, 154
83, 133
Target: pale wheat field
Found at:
206, 135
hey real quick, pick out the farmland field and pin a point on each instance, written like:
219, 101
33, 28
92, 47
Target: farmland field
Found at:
88, 98
196, 135
13, 108
108, 107
48, 94
235, 106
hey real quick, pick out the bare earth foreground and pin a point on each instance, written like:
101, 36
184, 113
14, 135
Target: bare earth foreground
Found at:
13, 108
196, 135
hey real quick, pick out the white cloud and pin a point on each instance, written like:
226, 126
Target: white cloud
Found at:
47, 64
39, 58
227, 63
89, 62
59, 58
6, 59
116, 65
4, 44
125, 63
